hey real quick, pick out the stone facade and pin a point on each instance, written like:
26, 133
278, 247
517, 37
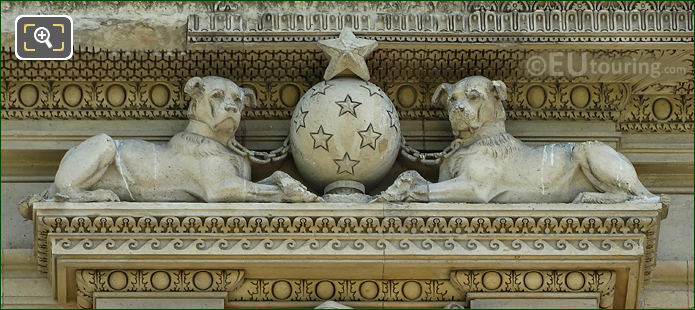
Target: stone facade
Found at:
127, 79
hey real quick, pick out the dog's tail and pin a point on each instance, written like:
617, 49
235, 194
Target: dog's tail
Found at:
26, 205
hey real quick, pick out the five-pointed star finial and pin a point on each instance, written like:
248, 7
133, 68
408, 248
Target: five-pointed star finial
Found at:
321, 138
348, 106
347, 52
346, 164
369, 137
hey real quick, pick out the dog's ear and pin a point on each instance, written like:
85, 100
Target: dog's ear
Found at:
500, 90
441, 94
194, 86
248, 97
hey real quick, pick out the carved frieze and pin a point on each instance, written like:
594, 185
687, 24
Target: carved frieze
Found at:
413, 290
148, 85
447, 22
573, 281
154, 280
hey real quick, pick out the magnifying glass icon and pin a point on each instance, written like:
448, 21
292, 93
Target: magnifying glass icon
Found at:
42, 35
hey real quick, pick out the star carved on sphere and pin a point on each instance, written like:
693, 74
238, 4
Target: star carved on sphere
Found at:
321, 89
369, 137
373, 89
347, 106
321, 138
392, 118
346, 164
301, 120
347, 52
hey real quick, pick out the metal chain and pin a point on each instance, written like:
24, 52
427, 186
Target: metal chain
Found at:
430, 159
260, 157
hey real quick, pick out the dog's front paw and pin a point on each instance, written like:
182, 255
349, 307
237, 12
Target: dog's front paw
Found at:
409, 186
293, 190
26, 206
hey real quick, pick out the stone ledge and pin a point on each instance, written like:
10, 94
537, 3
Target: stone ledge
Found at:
348, 241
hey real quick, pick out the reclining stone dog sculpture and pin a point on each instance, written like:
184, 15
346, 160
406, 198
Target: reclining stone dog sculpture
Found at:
490, 165
194, 165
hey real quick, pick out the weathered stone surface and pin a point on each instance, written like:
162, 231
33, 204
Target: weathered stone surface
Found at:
270, 47
365, 248
159, 303
195, 165
16, 230
346, 123
676, 236
529, 303
486, 164
136, 25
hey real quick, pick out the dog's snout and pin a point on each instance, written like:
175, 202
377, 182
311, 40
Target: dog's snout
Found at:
231, 108
461, 107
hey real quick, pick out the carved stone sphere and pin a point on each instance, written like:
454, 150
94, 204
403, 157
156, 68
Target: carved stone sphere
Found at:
344, 129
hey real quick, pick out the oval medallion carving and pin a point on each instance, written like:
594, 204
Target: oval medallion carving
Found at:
28, 95
580, 96
535, 96
575, 280
369, 289
533, 280
492, 280
289, 95
115, 95
282, 289
412, 290
118, 280
159, 94
325, 290
202, 280
72, 95
160, 280
407, 96
662, 109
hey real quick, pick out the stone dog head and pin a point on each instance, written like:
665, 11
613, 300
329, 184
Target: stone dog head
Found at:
471, 103
218, 102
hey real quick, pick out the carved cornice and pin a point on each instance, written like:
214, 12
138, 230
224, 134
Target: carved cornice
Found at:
447, 22
437, 238
147, 85
428, 229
